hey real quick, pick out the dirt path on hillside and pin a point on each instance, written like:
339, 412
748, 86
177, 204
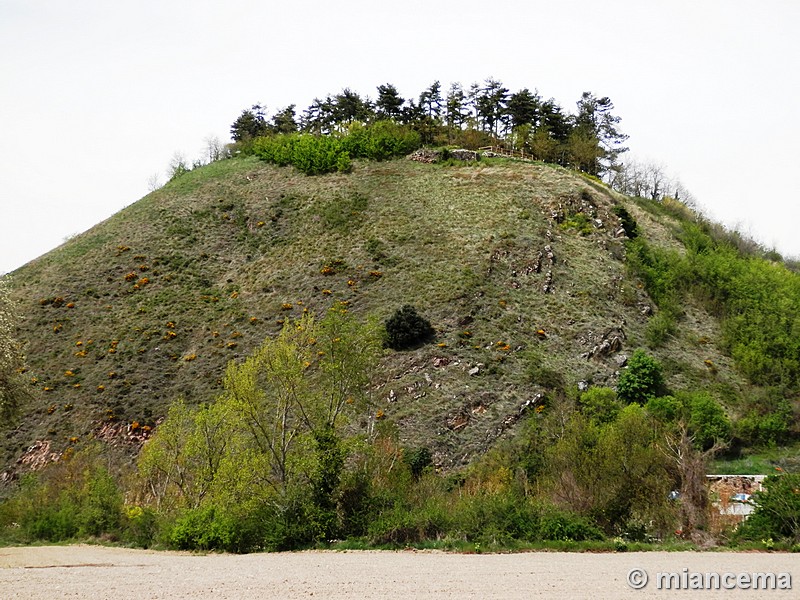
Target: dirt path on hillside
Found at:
34, 573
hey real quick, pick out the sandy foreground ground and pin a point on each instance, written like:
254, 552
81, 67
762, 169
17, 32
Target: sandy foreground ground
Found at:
83, 571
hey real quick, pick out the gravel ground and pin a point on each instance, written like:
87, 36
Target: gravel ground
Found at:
84, 571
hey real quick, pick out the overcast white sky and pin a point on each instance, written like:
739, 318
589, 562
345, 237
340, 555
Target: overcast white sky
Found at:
97, 96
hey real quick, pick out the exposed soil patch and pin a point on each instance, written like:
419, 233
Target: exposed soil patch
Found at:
118, 573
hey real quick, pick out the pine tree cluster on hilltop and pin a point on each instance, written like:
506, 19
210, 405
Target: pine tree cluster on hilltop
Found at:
480, 115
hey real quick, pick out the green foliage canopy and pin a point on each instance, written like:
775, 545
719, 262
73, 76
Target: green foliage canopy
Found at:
777, 513
641, 379
12, 388
406, 328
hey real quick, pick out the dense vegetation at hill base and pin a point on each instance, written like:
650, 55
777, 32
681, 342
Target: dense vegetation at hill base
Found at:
477, 355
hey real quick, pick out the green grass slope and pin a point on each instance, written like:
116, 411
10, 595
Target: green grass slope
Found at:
520, 268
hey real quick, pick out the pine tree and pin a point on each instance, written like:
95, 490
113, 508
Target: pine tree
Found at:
250, 124
350, 107
523, 108
319, 118
430, 101
595, 118
389, 103
491, 105
456, 112
284, 120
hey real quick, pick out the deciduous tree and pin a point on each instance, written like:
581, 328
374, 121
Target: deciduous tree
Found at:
13, 391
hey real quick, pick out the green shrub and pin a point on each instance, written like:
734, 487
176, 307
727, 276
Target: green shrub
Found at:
402, 525
289, 526
192, 530
44, 517
141, 526
75, 497
357, 504
495, 518
664, 408
418, 461
641, 379
559, 525
381, 140
100, 503
319, 154
707, 420
777, 512
311, 154
660, 328
600, 404
766, 427
580, 222
407, 329
316, 155
661, 271
228, 529
539, 373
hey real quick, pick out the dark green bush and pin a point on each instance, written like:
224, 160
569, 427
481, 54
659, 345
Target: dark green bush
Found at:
641, 379
628, 222
291, 525
100, 503
141, 526
666, 409
496, 518
418, 461
766, 426
407, 329
405, 525
196, 529
559, 525
318, 154
210, 527
357, 504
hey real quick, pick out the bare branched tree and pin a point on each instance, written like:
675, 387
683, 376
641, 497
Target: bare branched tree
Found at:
691, 464
154, 182
214, 149
178, 166
649, 180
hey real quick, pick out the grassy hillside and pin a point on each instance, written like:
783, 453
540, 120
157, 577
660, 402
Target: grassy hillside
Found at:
520, 267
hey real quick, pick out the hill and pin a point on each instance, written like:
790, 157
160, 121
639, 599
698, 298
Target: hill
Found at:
522, 269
